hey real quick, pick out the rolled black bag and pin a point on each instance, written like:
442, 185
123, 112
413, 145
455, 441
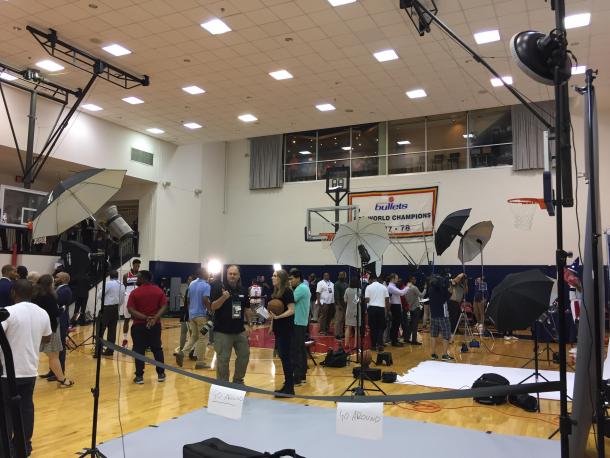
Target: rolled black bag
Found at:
487, 381
525, 401
389, 377
216, 448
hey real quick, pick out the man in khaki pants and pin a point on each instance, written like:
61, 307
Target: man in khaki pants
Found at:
199, 310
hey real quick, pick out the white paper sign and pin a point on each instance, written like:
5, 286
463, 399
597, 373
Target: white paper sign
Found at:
226, 402
364, 420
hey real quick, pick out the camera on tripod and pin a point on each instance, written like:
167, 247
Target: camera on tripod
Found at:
209, 326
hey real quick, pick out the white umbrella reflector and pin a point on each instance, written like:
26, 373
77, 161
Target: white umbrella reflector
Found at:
474, 240
362, 231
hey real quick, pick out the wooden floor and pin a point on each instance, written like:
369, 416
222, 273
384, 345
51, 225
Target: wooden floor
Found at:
63, 416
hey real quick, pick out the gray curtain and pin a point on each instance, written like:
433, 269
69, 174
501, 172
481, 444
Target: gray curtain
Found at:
266, 165
527, 135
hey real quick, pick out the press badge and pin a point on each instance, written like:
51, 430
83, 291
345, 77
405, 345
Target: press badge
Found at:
236, 307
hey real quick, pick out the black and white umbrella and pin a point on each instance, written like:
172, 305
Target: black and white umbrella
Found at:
74, 199
474, 240
371, 235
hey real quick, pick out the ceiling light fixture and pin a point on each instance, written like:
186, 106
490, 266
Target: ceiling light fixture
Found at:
154, 130
497, 82
346, 148
194, 90
216, 27
468, 135
340, 2
305, 153
416, 94
403, 142
577, 20
49, 65
386, 55
487, 36
7, 76
132, 100
92, 107
192, 125
281, 75
116, 50
247, 118
325, 107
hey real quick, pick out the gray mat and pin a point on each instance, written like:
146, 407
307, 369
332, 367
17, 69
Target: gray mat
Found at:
273, 425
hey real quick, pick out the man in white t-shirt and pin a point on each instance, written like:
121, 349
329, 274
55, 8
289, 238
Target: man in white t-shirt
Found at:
325, 299
377, 301
27, 326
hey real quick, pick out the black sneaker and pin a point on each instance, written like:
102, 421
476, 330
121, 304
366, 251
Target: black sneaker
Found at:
415, 343
434, 356
160, 378
397, 344
446, 357
51, 378
180, 358
138, 380
47, 375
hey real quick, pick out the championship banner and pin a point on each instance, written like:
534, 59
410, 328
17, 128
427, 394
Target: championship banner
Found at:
406, 212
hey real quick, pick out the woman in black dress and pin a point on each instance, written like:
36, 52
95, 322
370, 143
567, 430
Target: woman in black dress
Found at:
46, 299
283, 327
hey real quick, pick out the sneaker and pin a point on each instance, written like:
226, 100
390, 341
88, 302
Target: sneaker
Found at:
398, 344
138, 380
416, 343
507, 338
446, 357
514, 337
51, 378
47, 375
160, 378
180, 359
202, 365
434, 356
299, 382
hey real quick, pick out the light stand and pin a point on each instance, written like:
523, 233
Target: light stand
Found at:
536, 374
18, 439
361, 390
558, 65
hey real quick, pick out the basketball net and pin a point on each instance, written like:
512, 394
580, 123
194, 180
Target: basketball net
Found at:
523, 210
329, 236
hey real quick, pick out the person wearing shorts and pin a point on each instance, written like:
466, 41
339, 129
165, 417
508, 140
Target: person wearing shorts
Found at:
439, 293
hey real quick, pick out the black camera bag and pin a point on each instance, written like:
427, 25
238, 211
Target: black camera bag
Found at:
215, 448
489, 380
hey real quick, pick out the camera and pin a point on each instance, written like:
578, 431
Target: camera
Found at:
440, 281
209, 326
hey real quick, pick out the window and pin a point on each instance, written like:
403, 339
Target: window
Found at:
300, 147
406, 136
334, 144
490, 137
446, 132
407, 163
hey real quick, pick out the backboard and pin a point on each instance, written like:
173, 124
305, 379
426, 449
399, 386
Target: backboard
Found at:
18, 205
321, 222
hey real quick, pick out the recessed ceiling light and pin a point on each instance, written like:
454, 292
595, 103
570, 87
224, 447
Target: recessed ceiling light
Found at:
132, 100
487, 36
416, 94
192, 125
340, 2
216, 27
116, 50
49, 65
247, 118
304, 153
346, 148
385, 55
7, 76
325, 107
281, 75
468, 135
403, 142
154, 130
577, 20
579, 70
193, 90
92, 107
497, 82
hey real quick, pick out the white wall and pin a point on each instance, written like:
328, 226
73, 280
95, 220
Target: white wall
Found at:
34, 263
263, 227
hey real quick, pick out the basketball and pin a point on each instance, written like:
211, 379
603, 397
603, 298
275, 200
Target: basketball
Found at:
275, 306
366, 359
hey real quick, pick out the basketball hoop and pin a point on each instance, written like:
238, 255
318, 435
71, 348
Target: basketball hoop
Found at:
327, 240
523, 210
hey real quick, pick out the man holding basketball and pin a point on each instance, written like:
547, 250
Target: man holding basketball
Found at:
231, 309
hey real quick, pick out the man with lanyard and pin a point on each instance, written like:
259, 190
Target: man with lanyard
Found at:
302, 298
115, 292
230, 307
325, 295
146, 305
130, 280
9, 274
199, 307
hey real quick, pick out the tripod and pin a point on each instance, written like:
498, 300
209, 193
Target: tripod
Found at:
468, 333
360, 389
536, 374
91, 339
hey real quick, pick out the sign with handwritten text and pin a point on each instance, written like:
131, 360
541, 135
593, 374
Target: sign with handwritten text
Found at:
363, 420
226, 402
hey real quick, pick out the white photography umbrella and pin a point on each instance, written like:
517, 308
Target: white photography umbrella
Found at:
362, 231
76, 198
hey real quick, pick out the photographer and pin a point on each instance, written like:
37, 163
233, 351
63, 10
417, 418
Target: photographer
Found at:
439, 293
230, 307
146, 305
459, 288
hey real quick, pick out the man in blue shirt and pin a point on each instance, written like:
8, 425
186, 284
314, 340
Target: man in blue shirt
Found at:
199, 307
9, 274
302, 297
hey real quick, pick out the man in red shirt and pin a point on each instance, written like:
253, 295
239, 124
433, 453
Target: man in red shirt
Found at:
146, 304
